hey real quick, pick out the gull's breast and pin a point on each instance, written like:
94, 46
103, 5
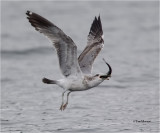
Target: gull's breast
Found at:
78, 85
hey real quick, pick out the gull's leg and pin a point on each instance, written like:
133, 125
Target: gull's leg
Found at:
65, 105
61, 108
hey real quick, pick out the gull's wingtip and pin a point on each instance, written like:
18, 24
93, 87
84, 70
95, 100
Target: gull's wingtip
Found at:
28, 13
99, 17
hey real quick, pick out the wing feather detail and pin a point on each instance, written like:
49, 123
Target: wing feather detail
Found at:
64, 45
94, 46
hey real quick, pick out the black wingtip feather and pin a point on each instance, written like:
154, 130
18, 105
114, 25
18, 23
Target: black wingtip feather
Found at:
99, 17
38, 21
96, 25
27, 13
96, 29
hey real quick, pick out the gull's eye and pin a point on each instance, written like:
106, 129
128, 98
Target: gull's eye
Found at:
96, 75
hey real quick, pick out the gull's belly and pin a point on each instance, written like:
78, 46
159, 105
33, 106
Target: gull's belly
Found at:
73, 84
78, 86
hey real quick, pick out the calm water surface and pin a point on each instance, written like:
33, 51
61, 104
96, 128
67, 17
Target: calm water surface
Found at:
131, 48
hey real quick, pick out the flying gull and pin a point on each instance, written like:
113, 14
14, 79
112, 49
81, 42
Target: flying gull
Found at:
77, 72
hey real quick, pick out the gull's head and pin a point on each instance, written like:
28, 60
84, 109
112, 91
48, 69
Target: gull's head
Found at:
98, 78
108, 74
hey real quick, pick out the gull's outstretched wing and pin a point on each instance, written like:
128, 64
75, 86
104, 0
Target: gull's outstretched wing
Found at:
64, 45
94, 46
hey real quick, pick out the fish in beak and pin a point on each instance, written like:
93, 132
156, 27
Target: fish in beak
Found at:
108, 74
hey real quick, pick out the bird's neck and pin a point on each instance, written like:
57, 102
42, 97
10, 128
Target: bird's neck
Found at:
92, 81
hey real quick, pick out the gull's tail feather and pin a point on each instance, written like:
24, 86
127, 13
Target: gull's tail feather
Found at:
48, 81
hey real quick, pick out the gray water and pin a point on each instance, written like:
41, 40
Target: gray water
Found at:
131, 48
